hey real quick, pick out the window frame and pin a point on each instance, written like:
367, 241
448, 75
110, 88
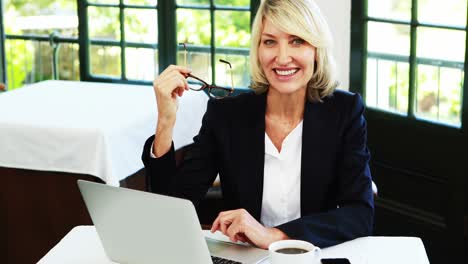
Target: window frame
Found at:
85, 41
167, 43
360, 54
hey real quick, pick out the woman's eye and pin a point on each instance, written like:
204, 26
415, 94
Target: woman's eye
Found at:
298, 41
268, 42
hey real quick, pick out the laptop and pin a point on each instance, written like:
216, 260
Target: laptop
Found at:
140, 227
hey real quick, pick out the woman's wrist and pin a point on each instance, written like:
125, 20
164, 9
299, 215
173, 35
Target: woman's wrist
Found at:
165, 122
275, 234
163, 138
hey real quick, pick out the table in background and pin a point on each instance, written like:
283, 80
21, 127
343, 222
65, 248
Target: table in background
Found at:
82, 245
55, 132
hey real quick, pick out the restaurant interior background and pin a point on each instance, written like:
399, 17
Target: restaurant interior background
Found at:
405, 57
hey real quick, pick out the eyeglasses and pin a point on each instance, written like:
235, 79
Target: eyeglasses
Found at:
197, 84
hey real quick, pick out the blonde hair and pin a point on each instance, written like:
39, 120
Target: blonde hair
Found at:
303, 19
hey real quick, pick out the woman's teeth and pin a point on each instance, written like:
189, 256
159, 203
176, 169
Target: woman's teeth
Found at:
284, 73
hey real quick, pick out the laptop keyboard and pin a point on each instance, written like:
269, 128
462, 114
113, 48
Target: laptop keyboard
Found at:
217, 260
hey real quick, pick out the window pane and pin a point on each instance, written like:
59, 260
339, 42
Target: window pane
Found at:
141, 64
68, 62
390, 9
105, 60
44, 17
193, 26
193, 2
141, 2
240, 70
104, 23
388, 38
42, 57
242, 3
451, 84
387, 85
232, 29
199, 60
141, 25
439, 93
449, 12
442, 44
232, 36
439, 81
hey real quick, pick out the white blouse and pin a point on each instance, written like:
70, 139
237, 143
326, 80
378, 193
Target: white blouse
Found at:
281, 200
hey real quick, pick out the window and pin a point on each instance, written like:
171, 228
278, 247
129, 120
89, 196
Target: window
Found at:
124, 40
414, 58
37, 34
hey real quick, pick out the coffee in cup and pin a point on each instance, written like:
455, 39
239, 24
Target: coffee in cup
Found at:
294, 251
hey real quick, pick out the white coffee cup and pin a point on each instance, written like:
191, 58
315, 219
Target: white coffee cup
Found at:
293, 251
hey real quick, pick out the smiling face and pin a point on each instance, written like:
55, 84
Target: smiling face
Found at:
286, 60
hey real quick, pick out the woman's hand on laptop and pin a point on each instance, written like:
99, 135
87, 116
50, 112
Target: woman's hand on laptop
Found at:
239, 225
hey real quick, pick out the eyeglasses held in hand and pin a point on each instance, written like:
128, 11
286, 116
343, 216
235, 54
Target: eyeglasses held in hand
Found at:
197, 84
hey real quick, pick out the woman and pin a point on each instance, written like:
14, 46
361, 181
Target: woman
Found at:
292, 157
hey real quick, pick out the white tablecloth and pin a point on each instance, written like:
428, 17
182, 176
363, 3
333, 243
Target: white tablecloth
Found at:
82, 245
87, 128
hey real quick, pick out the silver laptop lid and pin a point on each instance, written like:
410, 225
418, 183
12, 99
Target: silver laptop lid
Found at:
140, 227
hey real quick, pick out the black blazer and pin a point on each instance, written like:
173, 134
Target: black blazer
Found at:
336, 194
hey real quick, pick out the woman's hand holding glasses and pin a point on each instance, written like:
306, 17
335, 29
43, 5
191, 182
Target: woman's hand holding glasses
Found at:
170, 84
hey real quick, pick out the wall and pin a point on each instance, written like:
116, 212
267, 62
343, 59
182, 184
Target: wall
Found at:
338, 14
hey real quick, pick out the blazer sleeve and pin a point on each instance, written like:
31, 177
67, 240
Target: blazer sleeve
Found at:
196, 174
353, 215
